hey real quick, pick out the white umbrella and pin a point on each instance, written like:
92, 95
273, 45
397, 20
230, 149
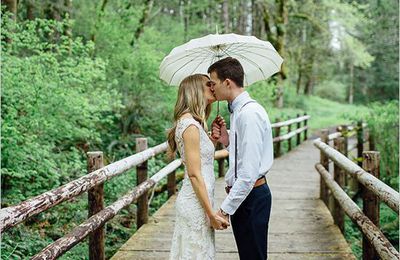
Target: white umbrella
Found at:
259, 58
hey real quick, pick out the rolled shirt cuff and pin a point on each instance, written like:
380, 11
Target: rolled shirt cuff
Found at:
226, 207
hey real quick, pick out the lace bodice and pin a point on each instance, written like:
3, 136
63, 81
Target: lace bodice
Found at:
193, 236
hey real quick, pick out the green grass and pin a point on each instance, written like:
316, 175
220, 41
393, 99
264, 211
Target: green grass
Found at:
324, 113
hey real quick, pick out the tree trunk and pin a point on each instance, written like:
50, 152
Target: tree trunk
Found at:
210, 14
233, 16
299, 77
256, 26
247, 29
241, 28
99, 16
225, 16
142, 21
53, 11
351, 85
267, 25
281, 22
185, 18
308, 88
11, 7
30, 7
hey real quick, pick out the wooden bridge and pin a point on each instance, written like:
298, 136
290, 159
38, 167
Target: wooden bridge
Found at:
309, 203
301, 226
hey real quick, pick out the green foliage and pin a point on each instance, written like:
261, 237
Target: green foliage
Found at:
380, 81
56, 102
383, 124
382, 120
333, 90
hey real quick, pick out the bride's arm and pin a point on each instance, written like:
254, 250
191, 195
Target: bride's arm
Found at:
191, 140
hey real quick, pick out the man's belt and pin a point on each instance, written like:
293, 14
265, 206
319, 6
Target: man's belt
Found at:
260, 181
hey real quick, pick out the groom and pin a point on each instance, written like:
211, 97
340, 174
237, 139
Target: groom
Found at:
250, 146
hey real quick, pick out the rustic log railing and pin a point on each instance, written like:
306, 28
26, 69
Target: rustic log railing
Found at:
373, 190
93, 184
278, 138
14, 215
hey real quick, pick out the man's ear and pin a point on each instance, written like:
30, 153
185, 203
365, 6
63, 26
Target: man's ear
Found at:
228, 83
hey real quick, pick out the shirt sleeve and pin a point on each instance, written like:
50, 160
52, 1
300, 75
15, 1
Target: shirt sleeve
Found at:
251, 131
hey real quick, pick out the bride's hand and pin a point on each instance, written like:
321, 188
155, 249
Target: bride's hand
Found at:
218, 223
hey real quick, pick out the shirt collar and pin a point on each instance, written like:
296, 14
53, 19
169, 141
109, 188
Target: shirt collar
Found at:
240, 100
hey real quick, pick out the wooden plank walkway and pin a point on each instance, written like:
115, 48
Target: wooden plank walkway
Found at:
301, 226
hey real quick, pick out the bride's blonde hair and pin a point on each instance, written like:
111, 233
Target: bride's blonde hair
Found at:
191, 99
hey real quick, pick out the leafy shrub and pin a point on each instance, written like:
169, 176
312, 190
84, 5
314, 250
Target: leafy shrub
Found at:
55, 105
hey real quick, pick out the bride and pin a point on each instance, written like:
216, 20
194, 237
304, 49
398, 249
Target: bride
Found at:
196, 220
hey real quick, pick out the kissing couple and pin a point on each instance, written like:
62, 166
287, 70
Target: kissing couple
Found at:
247, 205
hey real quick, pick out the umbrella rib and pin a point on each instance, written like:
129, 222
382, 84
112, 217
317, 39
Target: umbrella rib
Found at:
199, 64
261, 56
173, 75
187, 55
212, 59
264, 48
236, 46
251, 45
251, 62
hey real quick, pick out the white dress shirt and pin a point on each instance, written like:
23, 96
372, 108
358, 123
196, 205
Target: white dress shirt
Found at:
254, 149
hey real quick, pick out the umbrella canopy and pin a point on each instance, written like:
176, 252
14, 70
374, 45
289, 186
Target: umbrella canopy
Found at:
259, 58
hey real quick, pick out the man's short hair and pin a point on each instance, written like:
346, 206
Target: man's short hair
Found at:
228, 68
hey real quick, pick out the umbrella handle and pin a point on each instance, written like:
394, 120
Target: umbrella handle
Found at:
217, 108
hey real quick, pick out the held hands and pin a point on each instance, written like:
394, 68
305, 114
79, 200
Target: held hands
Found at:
219, 222
219, 132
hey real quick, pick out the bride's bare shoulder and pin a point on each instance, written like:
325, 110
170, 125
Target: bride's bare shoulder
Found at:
184, 116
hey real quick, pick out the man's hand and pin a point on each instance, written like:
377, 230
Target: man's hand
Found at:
218, 222
226, 218
219, 131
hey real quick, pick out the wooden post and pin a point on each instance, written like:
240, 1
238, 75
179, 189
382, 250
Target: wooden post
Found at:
346, 140
344, 131
171, 183
96, 204
360, 143
298, 137
305, 131
290, 139
142, 175
353, 182
324, 160
277, 148
371, 163
339, 177
221, 162
371, 141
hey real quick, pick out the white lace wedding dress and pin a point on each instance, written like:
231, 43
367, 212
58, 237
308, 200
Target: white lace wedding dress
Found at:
193, 236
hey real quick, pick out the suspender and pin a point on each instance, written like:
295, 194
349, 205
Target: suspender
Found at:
236, 151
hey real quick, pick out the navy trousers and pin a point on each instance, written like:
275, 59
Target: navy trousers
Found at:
250, 224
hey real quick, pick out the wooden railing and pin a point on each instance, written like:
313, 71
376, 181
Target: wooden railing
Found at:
373, 190
93, 184
278, 138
